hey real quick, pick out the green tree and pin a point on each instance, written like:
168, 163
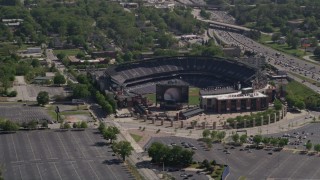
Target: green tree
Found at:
317, 148
277, 104
283, 142
123, 148
257, 139
80, 91
316, 51
35, 63
158, 151
235, 137
80, 55
61, 56
266, 140
43, 98
275, 37
204, 14
7, 125
59, 79
274, 141
205, 133
82, 79
66, 125
221, 135
101, 127
213, 135
111, 133
127, 56
44, 124
32, 124
83, 124
243, 138
308, 146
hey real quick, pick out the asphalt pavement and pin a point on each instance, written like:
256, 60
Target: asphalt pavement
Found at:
50, 155
254, 164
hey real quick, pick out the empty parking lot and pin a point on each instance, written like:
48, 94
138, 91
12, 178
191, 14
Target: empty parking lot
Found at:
59, 155
257, 164
19, 113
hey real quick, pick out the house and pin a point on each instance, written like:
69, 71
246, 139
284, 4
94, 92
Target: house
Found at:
42, 80
111, 54
12, 22
295, 23
33, 50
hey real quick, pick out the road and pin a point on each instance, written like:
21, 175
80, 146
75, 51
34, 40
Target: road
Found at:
135, 158
51, 58
282, 61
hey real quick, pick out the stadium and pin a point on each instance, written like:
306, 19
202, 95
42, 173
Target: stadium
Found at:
221, 82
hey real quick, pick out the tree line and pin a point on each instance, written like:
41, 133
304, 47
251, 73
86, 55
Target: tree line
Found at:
123, 148
176, 155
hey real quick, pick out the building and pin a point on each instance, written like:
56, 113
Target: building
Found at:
42, 80
33, 50
244, 100
12, 22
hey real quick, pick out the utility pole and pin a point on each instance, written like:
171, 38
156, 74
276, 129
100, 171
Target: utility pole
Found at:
57, 110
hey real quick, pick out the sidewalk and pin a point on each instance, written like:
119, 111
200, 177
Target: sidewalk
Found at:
135, 157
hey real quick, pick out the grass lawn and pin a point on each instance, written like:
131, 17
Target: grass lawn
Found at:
194, 96
74, 113
298, 89
242, 178
136, 137
68, 52
194, 166
265, 39
306, 79
52, 114
250, 25
151, 97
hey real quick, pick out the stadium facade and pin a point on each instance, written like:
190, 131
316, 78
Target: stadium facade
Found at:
219, 79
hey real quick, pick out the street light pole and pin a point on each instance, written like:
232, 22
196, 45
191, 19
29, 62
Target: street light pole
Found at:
163, 166
57, 111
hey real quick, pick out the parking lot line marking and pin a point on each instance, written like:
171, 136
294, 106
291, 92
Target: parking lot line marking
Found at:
64, 148
45, 142
39, 171
57, 170
91, 141
259, 165
75, 170
112, 172
14, 147
94, 172
34, 156
84, 156
282, 163
300, 165
20, 172
315, 173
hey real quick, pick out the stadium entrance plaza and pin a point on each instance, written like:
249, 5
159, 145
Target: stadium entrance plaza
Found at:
290, 121
258, 164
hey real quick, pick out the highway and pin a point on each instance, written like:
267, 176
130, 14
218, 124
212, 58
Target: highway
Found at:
276, 58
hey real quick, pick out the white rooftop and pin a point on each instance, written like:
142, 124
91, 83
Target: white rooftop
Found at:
237, 95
